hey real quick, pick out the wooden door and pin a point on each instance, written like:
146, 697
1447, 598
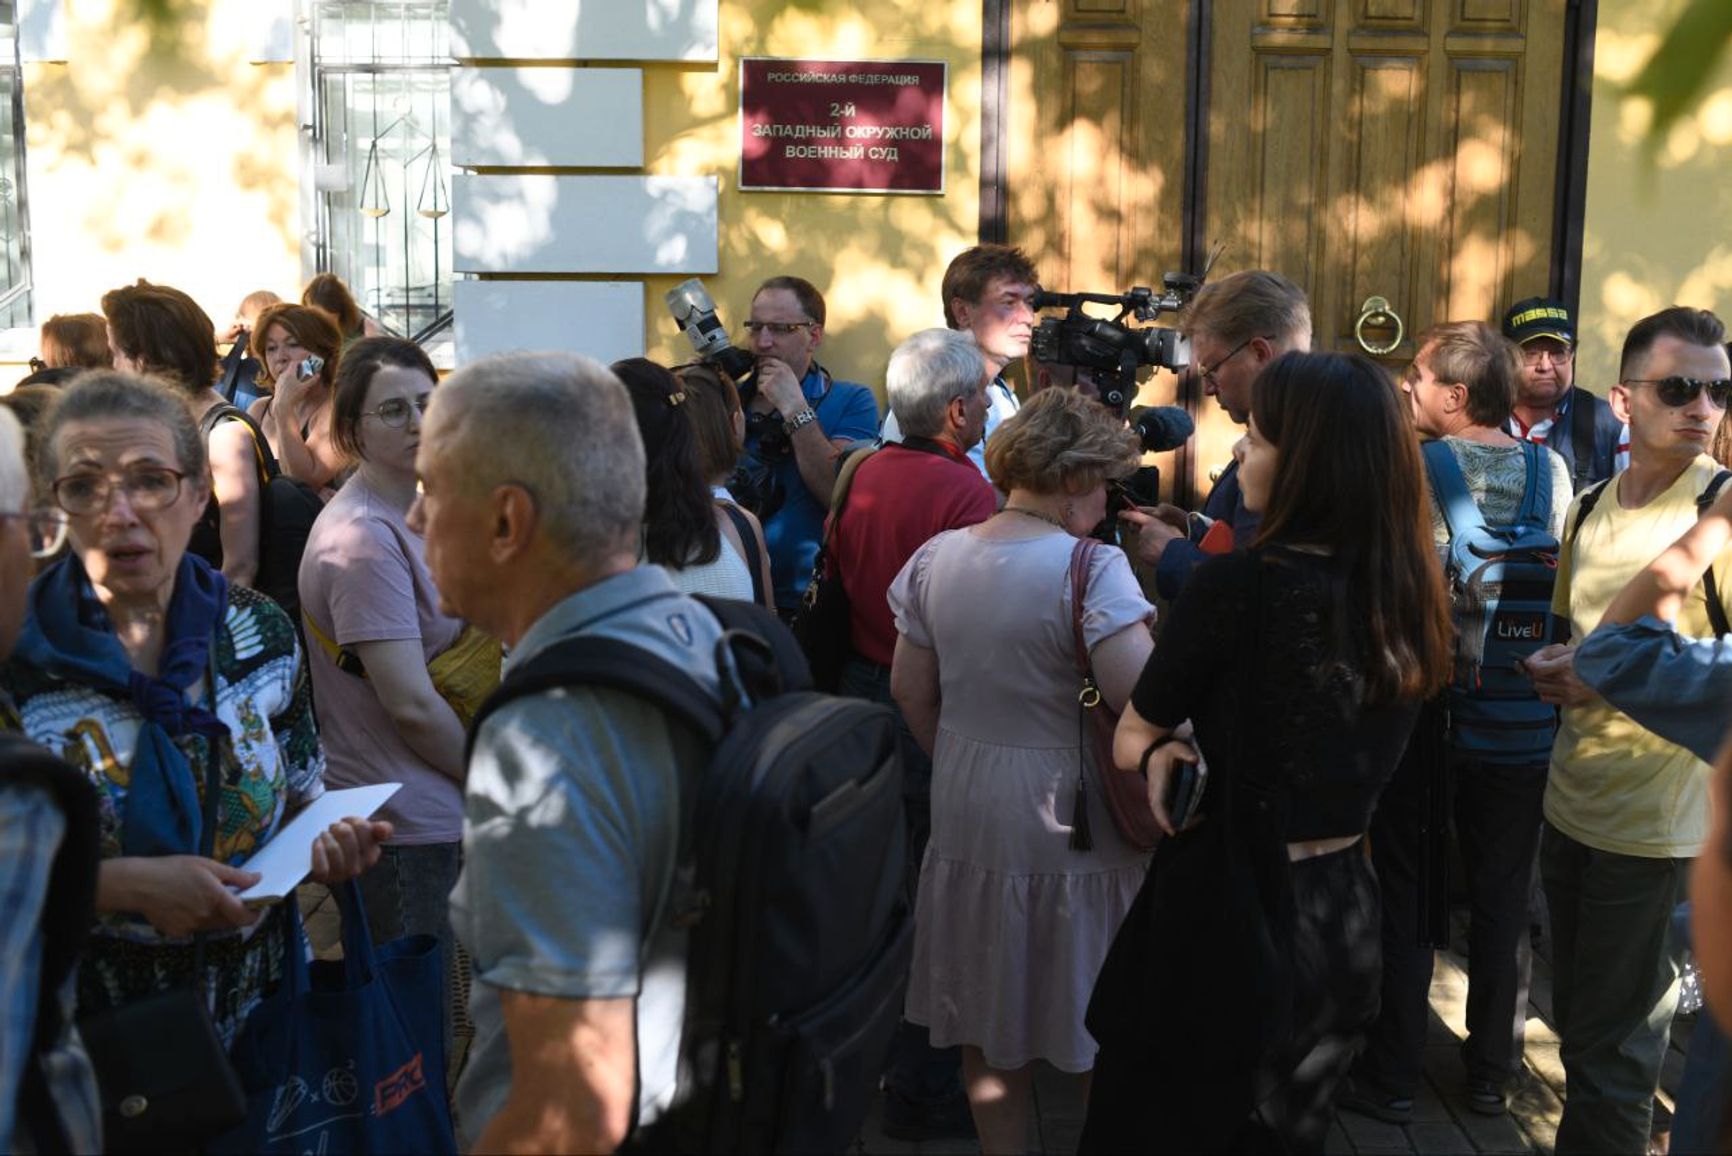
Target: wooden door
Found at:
1095, 148
1405, 149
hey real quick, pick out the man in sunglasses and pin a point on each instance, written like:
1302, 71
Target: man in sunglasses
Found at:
1236, 326
1626, 810
1551, 410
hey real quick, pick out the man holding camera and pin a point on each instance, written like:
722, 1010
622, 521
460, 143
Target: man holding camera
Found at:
989, 292
798, 420
1236, 326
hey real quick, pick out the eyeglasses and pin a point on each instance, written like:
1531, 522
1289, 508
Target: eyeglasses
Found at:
776, 328
147, 489
1677, 392
394, 412
37, 365
46, 526
1208, 375
1533, 355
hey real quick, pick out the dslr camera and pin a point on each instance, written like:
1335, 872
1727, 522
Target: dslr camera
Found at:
695, 312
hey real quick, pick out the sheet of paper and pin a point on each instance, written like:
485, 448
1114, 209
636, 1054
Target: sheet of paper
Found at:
287, 859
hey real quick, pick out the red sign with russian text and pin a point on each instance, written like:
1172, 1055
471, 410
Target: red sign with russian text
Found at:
842, 125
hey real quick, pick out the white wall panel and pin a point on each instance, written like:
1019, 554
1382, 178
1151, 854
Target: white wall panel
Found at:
526, 117
42, 31
583, 29
603, 320
583, 224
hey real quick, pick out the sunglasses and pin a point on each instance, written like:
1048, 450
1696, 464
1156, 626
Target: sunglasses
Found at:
1681, 391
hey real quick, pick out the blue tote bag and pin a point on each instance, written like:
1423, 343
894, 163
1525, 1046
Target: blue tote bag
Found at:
347, 1056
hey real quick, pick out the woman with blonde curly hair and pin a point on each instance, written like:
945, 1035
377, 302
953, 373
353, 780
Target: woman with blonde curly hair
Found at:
1015, 909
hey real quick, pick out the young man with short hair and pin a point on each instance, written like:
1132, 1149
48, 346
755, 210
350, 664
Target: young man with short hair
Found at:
1626, 810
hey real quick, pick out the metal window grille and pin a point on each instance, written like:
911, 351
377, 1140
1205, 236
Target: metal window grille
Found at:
381, 79
15, 303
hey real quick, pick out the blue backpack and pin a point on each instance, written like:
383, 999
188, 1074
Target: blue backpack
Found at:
1500, 584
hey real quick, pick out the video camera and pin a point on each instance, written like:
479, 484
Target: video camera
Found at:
1111, 348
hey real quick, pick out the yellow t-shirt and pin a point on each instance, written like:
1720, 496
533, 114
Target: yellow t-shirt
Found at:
1615, 786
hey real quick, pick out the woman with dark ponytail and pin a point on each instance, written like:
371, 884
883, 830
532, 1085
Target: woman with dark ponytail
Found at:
681, 522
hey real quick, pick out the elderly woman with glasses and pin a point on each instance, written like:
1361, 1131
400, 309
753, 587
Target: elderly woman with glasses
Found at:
1025, 878
144, 667
395, 679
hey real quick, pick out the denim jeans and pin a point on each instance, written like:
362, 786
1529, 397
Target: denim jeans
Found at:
1615, 966
408, 892
918, 1071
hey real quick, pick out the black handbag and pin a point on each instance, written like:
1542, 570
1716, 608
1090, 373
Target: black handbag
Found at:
165, 1079
824, 622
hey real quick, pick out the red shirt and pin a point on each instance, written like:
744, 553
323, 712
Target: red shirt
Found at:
900, 498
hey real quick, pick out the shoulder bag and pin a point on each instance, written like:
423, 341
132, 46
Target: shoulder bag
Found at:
1125, 793
824, 622
165, 1079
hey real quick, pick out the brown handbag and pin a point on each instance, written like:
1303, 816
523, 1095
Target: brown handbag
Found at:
1126, 793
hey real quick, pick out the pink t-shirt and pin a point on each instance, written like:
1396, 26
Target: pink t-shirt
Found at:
364, 578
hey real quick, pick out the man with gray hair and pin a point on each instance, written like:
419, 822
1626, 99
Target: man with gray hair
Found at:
1236, 325
48, 867
901, 496
532, 476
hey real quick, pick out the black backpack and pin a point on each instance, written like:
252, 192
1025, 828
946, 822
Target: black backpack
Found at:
287, 510
68, 911
800, 930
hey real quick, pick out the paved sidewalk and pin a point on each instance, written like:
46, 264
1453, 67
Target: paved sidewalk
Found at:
1442, 1122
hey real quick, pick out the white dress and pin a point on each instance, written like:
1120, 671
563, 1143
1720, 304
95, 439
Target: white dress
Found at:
1011, 925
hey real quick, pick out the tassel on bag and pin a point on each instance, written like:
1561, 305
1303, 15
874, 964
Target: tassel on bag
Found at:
1080, 837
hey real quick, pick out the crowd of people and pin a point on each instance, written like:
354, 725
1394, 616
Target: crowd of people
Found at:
1446, 633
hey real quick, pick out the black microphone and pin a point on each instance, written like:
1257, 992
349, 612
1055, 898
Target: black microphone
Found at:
1162, 427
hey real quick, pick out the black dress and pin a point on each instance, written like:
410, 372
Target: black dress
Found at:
1238, 986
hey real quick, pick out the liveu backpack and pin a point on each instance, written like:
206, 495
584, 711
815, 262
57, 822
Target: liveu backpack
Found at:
1500, 583
800, 932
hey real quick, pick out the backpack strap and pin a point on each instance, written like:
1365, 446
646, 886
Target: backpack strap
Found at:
1584, 506
1584, 437
756, 656
851, 463
216, 414
1449, 487
780, 666
1710, 588
749, 539
594, 660
1536, 504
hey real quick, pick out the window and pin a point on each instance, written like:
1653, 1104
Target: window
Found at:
14, 223
381, 76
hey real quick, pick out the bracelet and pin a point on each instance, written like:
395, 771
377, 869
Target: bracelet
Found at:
1149, 751
793, 424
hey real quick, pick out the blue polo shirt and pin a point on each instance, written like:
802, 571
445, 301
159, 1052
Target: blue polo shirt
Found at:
845, 410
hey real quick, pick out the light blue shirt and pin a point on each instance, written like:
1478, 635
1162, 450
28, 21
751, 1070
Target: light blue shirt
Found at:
571, 839
1677, 687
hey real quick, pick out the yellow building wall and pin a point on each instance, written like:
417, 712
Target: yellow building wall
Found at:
878, 259
173, 161
1658, 231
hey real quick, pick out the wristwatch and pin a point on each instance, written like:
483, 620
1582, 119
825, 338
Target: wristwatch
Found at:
804, 418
